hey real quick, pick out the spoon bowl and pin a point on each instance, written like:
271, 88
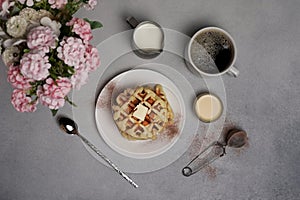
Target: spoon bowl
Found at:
236, 138
68, 125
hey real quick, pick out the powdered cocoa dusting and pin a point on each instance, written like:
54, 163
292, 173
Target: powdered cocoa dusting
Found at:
195, 147
199, 141
171, 130
211, 172
105, 100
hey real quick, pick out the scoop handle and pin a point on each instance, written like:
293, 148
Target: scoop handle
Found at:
204, 158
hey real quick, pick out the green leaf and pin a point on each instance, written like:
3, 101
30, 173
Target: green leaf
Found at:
16, 9
54, 112
71, 70
53, 76
94, 24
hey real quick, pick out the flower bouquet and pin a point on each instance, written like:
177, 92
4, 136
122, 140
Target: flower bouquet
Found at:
47, 51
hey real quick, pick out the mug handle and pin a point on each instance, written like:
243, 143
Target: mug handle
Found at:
132, 22
233, 71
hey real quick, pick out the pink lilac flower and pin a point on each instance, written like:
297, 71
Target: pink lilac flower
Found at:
22, 102
71, 51
79, 78
81, 28
92, 58
42, 38
17, 80
28, 2
35, 66
57, 3
91, 4
52, 94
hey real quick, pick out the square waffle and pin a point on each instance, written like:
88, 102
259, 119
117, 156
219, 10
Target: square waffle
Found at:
145, 123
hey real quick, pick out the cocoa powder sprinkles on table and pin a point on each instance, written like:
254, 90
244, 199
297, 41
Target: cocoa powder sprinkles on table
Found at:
172, 129
195, 147
105, 100
200, 141
197, 142
211, 172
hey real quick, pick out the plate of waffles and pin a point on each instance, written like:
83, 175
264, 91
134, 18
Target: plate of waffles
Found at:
140, 113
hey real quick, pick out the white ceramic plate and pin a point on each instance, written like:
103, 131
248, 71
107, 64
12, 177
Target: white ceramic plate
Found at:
140, 149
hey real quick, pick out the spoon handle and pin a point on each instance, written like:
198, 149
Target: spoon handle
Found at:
125, 176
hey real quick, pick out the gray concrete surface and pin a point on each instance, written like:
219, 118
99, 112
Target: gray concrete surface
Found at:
37, 162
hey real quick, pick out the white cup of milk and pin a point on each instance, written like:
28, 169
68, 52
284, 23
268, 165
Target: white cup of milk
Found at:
147, 38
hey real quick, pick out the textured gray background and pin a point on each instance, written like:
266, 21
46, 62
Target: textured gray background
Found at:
37, 162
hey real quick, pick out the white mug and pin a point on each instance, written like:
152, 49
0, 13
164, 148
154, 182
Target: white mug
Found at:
212, 52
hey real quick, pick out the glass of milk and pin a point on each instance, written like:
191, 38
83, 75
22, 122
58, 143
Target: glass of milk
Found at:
147, 39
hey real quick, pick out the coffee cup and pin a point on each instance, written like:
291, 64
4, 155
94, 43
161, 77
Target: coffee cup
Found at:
147, 38
211, 52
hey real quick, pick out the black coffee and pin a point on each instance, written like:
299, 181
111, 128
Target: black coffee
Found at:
212, 51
